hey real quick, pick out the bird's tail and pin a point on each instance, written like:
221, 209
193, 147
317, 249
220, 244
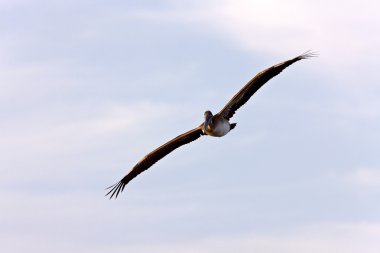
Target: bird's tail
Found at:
232, 126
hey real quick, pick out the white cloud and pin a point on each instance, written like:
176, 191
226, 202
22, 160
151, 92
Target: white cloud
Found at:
321, 238
367, 177
32, 81
281, 27
343, 34
7, 4
42, 145
44, 129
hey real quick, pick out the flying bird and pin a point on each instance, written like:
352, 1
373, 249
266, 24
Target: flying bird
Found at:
216, 125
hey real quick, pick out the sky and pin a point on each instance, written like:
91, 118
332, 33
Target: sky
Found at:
90, 87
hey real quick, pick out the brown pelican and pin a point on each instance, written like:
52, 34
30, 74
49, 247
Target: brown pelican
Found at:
214, 125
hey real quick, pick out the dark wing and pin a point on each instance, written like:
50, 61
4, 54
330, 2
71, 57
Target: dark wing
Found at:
255, 83
151, 158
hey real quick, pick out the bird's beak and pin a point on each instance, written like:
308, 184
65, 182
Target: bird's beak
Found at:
205, 125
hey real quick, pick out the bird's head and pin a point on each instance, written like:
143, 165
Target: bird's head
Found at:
208, 114
208, 117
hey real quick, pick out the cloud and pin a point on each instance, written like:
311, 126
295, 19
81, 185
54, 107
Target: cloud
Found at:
8, 4
275, 26
71, 125
365, 177
327, 238
49, 144
350, 237
347, 63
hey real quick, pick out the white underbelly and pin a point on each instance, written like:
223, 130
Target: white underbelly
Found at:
219, 130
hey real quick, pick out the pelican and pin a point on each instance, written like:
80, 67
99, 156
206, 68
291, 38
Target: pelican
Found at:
216, 125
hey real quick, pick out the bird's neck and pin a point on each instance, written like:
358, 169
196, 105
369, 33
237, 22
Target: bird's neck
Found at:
208, 121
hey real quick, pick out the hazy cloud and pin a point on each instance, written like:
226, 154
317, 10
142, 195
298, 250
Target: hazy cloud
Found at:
365, 177
88, 88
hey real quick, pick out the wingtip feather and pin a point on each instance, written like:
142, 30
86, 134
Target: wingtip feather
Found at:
307, 55
115, 189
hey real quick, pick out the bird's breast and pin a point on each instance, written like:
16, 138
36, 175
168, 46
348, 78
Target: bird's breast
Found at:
219, 128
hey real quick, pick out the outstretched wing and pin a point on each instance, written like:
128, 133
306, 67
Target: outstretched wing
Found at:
255, 83
151, 158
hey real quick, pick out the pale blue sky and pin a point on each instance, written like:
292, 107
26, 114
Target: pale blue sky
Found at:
89, 87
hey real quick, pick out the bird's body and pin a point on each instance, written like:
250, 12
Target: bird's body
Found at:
216, 125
